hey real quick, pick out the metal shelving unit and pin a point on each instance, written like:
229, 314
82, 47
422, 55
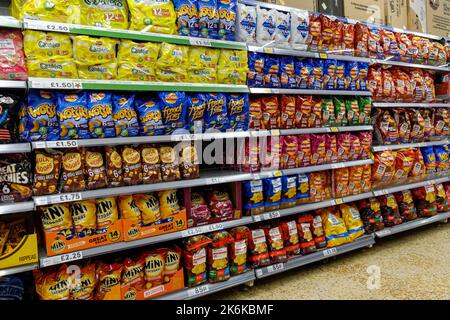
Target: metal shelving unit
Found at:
19, 269
310, 92
362, 242
203, 290
409, 186
17, 207
410, 145
13, 84
410, 105
411, 225
15, 148
129, 34
10, 22
443, 68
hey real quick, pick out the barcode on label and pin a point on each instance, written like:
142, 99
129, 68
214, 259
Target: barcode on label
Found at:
198, 290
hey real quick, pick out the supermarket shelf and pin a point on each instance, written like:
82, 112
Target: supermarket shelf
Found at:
46, 261
410, 145
10, 22
20, 269
311, 92
129, 34
411, 225
13, 84
79, 84
410, 186
197, 292
15, 148
286, 172
444, 68
410, 105
309, 207
207, 178
364, 241
17, 207
286, 132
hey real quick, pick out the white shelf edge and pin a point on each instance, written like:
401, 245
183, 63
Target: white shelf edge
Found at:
18, 269
310, 92
18, 207
410, 185
13, 84
15, 148
409, 145
410, 105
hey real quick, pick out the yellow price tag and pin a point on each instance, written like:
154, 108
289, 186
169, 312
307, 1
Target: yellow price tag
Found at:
339, 201
268, 50
275, 132
323, 55
334, 129
277, 173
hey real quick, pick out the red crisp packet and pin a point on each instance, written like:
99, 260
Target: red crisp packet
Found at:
318, 151
272, 158
289, 151
315, 32
365, 139
315, 118
343, 145
288, 109
304, 150
375, 83
271, 112
388, 86
349, 39
327, 33
303, 109
12, 58
331, 147
361, 38
255, 114
355, 147
338, 36
407, 51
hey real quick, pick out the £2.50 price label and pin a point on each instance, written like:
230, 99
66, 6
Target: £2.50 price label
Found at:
45, 25
63, 258
197, 291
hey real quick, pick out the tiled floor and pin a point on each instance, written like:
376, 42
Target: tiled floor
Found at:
412, 265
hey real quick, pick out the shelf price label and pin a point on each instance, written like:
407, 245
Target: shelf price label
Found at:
63, 258
268, 50
197, 291
62, 144
215, 180
323, 55
61, 84
203, 229
337, 165
330, 252
275, 268
183, 137
65, 197
200, 42
46, 26
381, 192
339, 201
272, 215
383, 233
334, 129
214, 227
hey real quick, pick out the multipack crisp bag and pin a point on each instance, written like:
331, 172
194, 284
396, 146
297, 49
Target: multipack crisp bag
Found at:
92, 50
41, 45
84, 215
299, 29
52, 68
43, 121
152, 16
173, 109
187, 17
73, 115
227, 12
101, 122
208, 18
266, 25
137, 60
246, 23
106, 14
65, 11
106, 71
150, 117
124, 115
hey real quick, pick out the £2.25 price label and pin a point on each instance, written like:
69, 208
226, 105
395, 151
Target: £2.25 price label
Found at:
63, 258
197, 291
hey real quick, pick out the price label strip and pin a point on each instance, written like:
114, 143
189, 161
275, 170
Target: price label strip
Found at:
275, 268
203, 229
272, 215
46, 26
62, 144
216, 180
55, 84
63, 258
339, 201
65, 197
200, 42
197, 291
330, 252
380, 193
383, 233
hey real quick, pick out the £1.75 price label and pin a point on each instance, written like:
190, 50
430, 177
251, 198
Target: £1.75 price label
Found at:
197, 291
65, 197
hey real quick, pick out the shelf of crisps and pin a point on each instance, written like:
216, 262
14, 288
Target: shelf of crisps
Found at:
322, 254
15, 148
310, 92
410, 105
203, 290
409, 186
412, 225
79, 84
129, 34
10, 22
17, 207
19, 269
13, 84
410, 145
443, 68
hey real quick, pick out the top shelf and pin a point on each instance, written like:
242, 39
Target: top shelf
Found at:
10, 22
129, 34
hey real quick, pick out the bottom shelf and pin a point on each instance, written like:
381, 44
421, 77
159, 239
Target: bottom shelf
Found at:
206, 289
364, 241
19, 269
411, 225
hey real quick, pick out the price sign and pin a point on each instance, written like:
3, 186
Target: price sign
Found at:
268, 50
65, 84
330, 252
257, 218
339, 201
275, 268
39, 145
183, 137
323, 56
197, 291
65, 197
380, 193
337, 166
62, 144
334, 129
202, 229
272, 215
277, 173
259, 272
46, 26
41, 201
200, 42
63, 258
275, 132
215, 180
191, 232
214, 227
383, 233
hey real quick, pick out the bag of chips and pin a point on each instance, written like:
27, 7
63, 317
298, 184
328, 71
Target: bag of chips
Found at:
133, 272
73, 116
429, 159
335, 230
258, 250
406, 206
272, 193
124, 115
253, 197
52, 284
343, 146
55, 10
150, 117
425, 201
199, 208
266, 25
352, 220
101, 122
386, 128
318, 149
128, 209
371, 215
304, 226
329, 78
57, 218
361, 40
318, 232
219, 204
109, 15
84, 215
155, 262
216, 111
151, 165
73, 169
132, 166
291, 238
46, 172
16, 177
328, 115
246, 23
341, 182
152, 16
289, 191
168, 204
114, 166
315, 32
194, 259
173, 109
383, 169
237, 111
442, 203
317, 75
299, 29
271, 112
169, 164
389, 210
274, 237
302, 69
218, 267
302, 188
12, 59
187, 17
148, 205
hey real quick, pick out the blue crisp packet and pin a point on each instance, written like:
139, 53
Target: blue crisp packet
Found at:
227, 11
340, 75
173, 109
216, 111
253, 194
303, 69
101, 122
272, 192
125, 117
363, 71
287, 72
255, 75
272, 72
73, 115
352, 74
303, 186
187, 17
208, 19
238, 110
41, 121
196, 105
289, 190
316, 79
329, 78
429, 158
442, 158
150, 117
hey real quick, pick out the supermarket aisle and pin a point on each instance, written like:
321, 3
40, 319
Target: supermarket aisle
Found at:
414, 265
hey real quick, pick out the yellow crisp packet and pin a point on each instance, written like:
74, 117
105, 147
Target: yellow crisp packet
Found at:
66, 11
57, 218
52, 285
15, 8
107, 213
92, 50
231, 76
4, 232
202, 76
152, 16
352, 220
135, 72
106, 71
128, 208
335, 231
82, 285
233, 59
84, 217
41, 45
168, 202
172, 56
138, 53
148, 204
52, 68
172, 75
105, 13
203, 57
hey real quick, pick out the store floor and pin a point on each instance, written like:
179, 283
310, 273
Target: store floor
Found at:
413, 265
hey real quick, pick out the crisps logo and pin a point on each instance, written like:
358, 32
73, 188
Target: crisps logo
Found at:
94, 159
209, 12
185, 10
216, 106
45, 94
58, 245
133, 233
150, 155
102, 110
154, 116
76, 114
203, 72
97, 69
44, 165
71, 98
171, 98
153, 265
116, 159
53, 215
237, 59
72, 161
173, 113
225, 1
48, 44
51, 66
104, 3
132, 273
42, 109
98, 48
139, 51
109, 281
139, 71
104, 209
97, 96
236, 105
205, 57
130, 294
131, 156
172, 260
125, 114
59, 288
354, 72
196, 111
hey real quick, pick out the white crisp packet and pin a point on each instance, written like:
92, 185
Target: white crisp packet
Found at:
283, 30
246, 24
300, 36
266, 25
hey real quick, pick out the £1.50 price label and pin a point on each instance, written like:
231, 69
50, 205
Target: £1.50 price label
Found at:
215, 180
63, 258
61, 84
272, 215
62, 144
197, 291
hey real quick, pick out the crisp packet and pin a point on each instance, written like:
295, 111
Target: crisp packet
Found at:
266, 25
208, 19
150, 117
283, 29
173, 109
246, 23
196, 105
101, 122
124, 115
238, 110
73, 116
299, 29
287, 72
187, 17
227, 12
216, 111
